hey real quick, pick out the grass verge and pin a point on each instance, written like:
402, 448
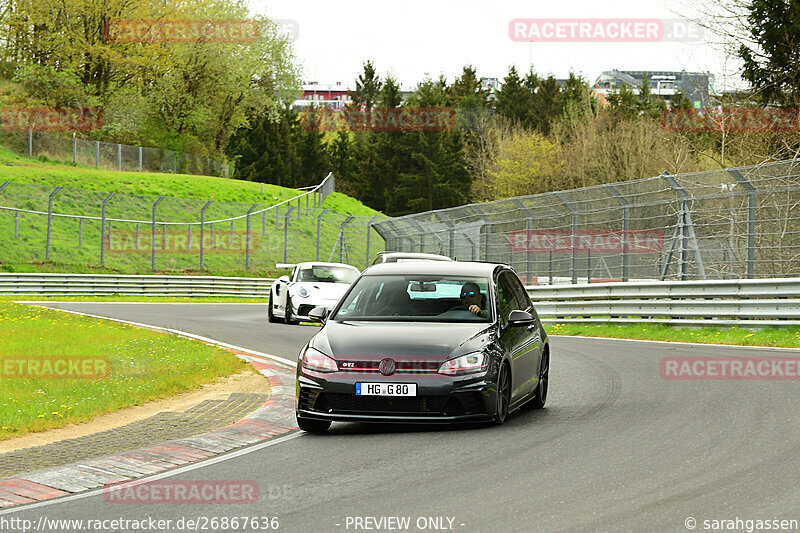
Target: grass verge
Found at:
788, 337
144, 365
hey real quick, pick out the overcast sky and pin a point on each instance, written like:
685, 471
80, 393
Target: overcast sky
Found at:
411, 38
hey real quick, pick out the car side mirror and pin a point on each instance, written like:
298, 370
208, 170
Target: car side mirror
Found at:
519, 318
319, 313
284, 279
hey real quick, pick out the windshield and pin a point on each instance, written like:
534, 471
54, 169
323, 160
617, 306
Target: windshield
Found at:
327, 274
417, 298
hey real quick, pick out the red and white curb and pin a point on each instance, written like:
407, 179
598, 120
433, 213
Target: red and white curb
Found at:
273, 419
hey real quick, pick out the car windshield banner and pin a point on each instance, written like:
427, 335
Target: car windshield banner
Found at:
642, 241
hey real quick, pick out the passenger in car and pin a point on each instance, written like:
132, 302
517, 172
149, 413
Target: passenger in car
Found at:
474, 300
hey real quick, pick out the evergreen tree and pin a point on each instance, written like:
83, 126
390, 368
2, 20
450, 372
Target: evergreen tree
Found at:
513, 97
368, 87
773, 68
266, 150
546, 105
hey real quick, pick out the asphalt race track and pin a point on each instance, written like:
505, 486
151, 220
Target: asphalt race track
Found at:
618, 448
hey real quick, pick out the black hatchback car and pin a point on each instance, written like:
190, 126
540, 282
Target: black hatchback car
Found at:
425, 342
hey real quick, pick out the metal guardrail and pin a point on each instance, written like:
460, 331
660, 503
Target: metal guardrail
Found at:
104, 285
759, 302
755, 302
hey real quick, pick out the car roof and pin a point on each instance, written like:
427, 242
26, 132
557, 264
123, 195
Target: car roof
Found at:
453, 268
413, 255
318, 263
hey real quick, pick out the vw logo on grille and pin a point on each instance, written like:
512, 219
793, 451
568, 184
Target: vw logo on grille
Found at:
387, 367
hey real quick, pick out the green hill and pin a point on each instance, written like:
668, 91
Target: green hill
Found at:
75, 245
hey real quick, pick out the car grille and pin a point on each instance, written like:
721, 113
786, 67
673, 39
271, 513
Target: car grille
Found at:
403, 367
350, 403
304, 309
468, 403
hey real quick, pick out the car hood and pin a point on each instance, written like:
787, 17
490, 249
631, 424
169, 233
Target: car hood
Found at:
326, 291
375, 340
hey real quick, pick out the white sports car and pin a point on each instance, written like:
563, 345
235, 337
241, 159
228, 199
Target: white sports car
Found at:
309, 285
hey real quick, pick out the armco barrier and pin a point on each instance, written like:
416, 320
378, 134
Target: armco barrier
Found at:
753, 302
103, 285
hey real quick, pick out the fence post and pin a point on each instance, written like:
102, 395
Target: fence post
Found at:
319, 221
74, 149
97, 154
16, 214
140, 159
286, 233
306, 204
752, 203
189, 230
137, 235
153, 236
369, 231
484, 231
119, 156
231, 236
103, 229
528, 229
277, 217
298, 208
687, 233
16, 225
80, 233
626, 218
50, 221
30, 142
247, 236
574, 241
202, 231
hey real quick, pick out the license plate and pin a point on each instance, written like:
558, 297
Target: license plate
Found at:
386, 389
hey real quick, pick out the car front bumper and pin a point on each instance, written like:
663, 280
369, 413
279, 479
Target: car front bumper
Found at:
440, 399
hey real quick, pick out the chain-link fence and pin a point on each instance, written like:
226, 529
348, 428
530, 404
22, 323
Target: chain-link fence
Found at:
134, 234
734, 223
111, 156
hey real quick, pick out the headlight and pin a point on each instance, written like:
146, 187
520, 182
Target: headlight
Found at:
302, 292
466, 364
317, 361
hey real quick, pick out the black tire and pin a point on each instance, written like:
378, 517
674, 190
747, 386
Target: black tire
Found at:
270, 314
311, 425
287, 311
540, 396
503, 394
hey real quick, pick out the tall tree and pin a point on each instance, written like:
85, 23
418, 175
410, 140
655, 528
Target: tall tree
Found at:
513, 97
772, 58
368, 87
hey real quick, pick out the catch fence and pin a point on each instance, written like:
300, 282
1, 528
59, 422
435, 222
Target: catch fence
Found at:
721, 224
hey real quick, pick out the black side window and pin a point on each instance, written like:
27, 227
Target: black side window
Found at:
520, 295
506, 301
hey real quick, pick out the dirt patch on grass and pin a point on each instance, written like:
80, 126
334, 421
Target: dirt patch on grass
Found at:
245, 381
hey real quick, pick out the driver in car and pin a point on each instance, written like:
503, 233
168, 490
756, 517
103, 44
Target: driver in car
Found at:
472, 299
